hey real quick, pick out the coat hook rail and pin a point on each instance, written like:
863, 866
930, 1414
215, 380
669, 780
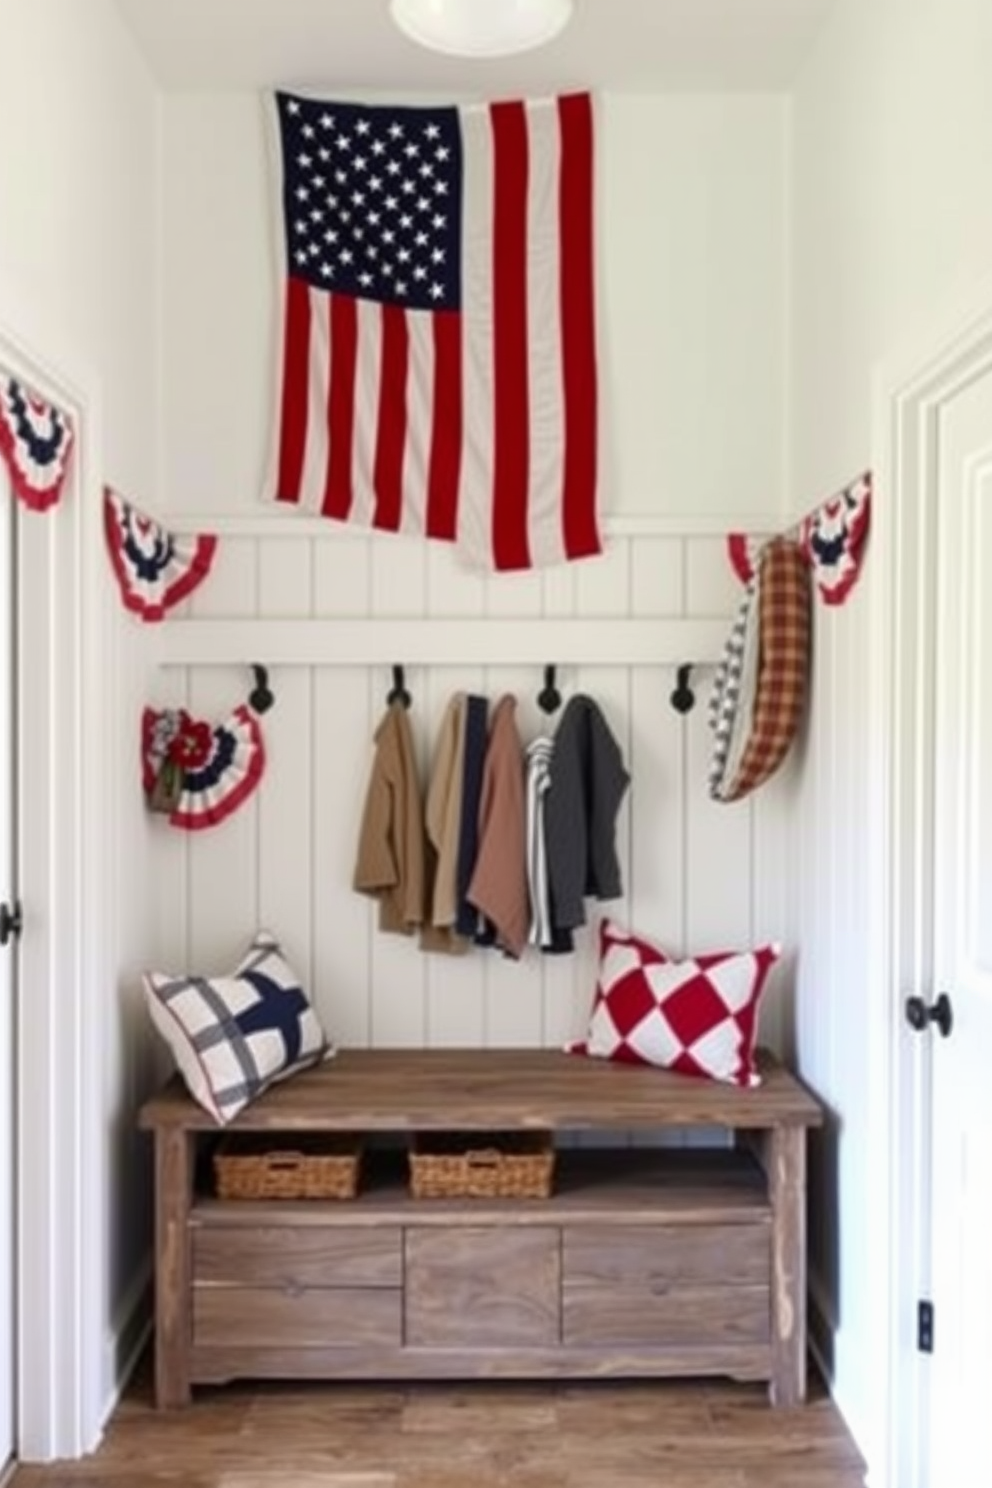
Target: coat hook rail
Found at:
434, 641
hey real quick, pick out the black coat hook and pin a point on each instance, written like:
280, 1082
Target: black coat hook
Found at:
398, 692
261, 698
549, 698
683, 699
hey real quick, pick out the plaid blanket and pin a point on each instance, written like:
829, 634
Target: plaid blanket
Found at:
783, 670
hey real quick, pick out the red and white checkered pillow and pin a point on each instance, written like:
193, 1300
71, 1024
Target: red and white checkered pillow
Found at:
697, 1017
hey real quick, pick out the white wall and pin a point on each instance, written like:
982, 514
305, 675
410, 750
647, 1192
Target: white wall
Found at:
692, 266
79, 237
892, 225
142, 224
692, 271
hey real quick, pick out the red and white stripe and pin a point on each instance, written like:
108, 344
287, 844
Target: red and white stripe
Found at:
478, 426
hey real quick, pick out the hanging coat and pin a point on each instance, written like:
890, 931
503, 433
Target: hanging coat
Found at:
476, 711
538, 757
588, 781
443, 818
389, 864
498, 888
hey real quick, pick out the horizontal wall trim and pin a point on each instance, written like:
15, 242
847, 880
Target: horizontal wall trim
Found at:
646, 525
355, 642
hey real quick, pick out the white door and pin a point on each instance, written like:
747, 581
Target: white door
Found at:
8, 889
961, 1064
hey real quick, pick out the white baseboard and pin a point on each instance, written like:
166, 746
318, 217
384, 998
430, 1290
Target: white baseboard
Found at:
820, 1326
821, 1335
127, 1338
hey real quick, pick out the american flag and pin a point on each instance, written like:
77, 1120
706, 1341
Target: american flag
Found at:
438, 341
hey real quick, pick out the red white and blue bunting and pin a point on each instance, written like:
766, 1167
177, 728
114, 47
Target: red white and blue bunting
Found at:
154, 568
35, 440
832, 538
198, 773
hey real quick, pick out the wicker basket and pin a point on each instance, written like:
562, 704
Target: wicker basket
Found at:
315, 1166
507, 1165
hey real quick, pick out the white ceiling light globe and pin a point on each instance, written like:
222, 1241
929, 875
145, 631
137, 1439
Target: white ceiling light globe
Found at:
481, 28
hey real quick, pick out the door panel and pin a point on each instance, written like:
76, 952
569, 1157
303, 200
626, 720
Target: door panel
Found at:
961, 1229
8, 890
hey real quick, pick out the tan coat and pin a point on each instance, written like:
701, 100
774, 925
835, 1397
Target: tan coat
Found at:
498, 888
444, 817
390, 862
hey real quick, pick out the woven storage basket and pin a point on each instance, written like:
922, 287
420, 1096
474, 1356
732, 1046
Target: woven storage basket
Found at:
507, 1165
309, 1166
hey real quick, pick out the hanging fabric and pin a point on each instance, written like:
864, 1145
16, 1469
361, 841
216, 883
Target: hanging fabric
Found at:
389, 863
154, 568
35, 441
442, 817
774, 665
588, 784
499, 881
743, 550
731, 704
831, 539
538, 757
476, 731
198, 773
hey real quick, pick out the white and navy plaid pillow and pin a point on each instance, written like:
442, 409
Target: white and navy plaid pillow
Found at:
233, 1036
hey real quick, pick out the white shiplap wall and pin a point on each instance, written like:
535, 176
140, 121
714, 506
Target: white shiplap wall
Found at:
697, 875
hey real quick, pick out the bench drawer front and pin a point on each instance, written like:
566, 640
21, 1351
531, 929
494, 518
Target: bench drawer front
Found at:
696, 1317
484, 1287
682, 1255
684, 1287
256, 1317
300, 1256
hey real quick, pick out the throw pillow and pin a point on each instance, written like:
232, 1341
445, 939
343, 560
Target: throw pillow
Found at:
233, 1036
698, 1017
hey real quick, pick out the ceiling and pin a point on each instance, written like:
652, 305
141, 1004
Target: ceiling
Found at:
619, 45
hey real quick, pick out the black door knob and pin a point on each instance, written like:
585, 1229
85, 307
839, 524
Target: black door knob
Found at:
920, 1015
10, 922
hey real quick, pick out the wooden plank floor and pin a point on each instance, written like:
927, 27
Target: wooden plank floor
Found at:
596, 1435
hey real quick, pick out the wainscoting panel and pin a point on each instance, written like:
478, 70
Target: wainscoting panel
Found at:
697, 875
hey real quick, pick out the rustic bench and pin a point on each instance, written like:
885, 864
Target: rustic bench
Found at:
643, 1261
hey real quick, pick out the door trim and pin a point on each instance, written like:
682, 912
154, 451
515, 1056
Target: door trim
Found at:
67, 970
910, 389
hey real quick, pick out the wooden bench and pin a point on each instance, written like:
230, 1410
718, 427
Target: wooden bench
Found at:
643, 1261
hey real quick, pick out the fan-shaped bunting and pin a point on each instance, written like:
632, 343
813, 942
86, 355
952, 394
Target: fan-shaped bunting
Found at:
833, 539
744, 551
199, 773
35, 440
154, 568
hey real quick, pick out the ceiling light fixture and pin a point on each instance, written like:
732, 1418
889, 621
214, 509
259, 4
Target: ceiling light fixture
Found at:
481, 28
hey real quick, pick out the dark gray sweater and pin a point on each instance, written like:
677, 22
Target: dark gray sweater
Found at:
588, 781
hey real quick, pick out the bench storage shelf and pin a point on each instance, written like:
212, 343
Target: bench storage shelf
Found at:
641, 1262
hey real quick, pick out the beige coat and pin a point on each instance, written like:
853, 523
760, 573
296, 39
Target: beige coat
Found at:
444, 817
390, 862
